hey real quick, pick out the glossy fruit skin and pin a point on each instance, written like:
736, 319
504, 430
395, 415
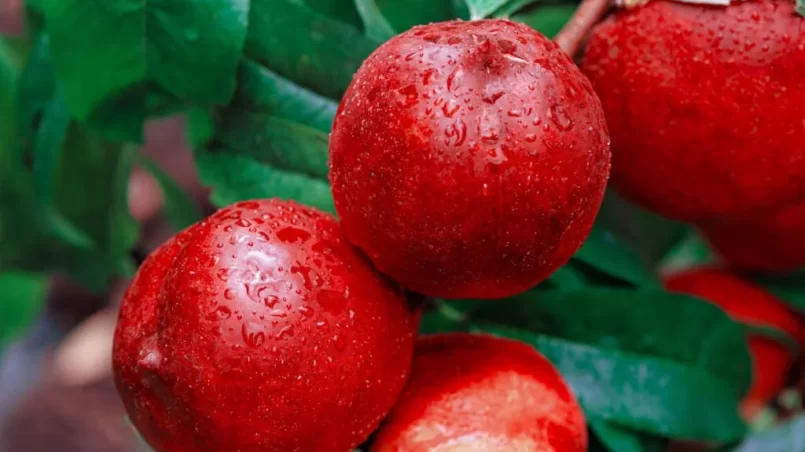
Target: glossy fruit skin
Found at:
749, 304
469, 159
770, 243
705, 106
485, 394
261, 329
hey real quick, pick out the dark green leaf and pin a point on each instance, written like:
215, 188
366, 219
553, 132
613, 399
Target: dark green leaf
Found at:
548, 18
788, 288
21, 297
236, 178
341, 10
658, 396
200, 127
605, 252
36, 89
788, 437
511, 7
260, 90
377, 27
107, 52
47, 147
801, 7
180, 210
641, 360
282, 144
774, 333
308, 48
480, 9
618, 439
460, 9
8, 79
404, 14
568, 277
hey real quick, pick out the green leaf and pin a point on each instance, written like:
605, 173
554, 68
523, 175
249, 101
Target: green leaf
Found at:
341, 10
618, 439
106, 54
36, 89
787, 437
548, 18
663, 364
404, 14
180, 210
200, 127
236, 178
8, 80
460, 9
788, 288
801, 7
21, 297
480, 9
511, 7
605, 252
263, 91
312, 50
282, 144
377, 27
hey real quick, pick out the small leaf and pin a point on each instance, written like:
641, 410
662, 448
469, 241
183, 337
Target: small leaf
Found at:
236, 178
480, 9
341, 10
21, 298
312, 50
36, 89
277, 142
619, 439
605, 252
107, 53
200, 127
787, 437
47, 147
511, 7
263, 91
377, 28
548, 18
180, 210
404, 14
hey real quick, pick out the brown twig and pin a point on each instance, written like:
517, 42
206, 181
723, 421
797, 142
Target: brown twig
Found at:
572, 35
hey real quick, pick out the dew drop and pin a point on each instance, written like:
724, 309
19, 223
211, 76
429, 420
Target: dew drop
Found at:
560, 117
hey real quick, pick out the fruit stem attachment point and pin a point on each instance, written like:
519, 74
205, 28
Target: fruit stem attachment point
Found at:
586, 16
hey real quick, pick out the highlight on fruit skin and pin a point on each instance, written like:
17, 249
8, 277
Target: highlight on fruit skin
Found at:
473, 392
748, 303
469, 159
768, 243
261, 329
704, 105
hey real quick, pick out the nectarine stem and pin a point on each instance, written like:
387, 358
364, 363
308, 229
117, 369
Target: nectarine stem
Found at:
588, 14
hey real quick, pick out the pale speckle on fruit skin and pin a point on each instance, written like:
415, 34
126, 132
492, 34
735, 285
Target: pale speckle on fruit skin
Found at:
261, 329
705, 106
469, 159
481, 393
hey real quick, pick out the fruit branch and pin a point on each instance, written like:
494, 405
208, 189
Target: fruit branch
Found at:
572, 35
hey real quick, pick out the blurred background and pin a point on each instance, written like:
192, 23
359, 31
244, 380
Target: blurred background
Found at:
56, 390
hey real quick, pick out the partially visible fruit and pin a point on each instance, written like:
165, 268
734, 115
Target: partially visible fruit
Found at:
484, 394
749, 304
770, 243
261, 329
705, 106
469, 159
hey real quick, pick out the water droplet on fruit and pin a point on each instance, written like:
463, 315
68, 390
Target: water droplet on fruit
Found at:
455, 79
560, 117
456, 133
409, 96
222, 313
250, 338
291, 235
450, 108
223, 274
306, 311
493, 97
286, 331
229, 294
530, 138
515, 113
243, 223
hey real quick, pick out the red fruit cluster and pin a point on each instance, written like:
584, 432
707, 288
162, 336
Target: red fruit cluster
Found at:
705, 106
469, 159
475, 392
752, 305
261, 329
